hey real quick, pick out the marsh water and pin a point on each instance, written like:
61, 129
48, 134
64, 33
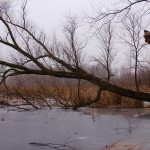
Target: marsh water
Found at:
85, 129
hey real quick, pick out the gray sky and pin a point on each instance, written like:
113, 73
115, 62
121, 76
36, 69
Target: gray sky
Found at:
48, 14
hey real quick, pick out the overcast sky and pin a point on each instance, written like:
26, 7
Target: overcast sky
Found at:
48, 14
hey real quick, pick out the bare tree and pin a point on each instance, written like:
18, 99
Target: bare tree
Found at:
33, 53
107, 55
133, 38
72, 48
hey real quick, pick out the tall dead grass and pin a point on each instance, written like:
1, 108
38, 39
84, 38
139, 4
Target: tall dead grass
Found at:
69, 96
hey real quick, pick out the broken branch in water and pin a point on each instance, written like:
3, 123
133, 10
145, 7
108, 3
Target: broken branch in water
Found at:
55, 146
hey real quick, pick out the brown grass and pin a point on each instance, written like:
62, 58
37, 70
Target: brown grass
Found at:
68, 96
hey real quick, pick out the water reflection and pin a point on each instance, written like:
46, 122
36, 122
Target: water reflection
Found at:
88, 128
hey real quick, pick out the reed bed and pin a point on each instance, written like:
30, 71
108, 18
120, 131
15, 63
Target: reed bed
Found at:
68, 96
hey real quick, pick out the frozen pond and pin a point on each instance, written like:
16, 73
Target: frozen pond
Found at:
86, 129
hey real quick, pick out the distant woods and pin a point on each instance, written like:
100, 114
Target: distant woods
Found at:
52, 71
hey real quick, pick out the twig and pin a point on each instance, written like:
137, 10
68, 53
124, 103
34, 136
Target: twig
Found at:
55, 146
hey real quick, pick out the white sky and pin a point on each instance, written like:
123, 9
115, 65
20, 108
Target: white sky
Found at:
48, 14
